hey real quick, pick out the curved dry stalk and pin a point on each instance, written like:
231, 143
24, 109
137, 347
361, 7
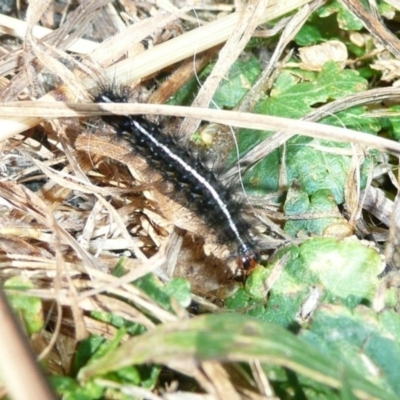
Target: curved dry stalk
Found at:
237, 119
19, 370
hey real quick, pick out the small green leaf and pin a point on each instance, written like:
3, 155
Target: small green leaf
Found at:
118, 321
392, 123
308, 35
28, 308
345, 18
240, 300
71, 390
299, 202
86, 350
179, 289
255, 283
241, 77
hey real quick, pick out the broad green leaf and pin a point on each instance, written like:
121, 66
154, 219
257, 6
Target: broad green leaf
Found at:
366, 341
344, 271
292, 99
315, 164
231, 337
319, 172
354, 118
347, 269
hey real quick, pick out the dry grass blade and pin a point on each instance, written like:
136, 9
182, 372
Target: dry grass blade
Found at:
18, 360
246, 25
17, 28
237, 119
374, 25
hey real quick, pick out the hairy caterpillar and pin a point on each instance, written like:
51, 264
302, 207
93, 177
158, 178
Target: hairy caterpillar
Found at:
196, 184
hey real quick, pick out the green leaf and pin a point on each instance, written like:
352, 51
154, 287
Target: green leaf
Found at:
86, 350
292, 99
392, 123
141, 375
343, 271
354, 118
345, 18
308, 35
71, 390
96, 347
153, 287
231, 337
28, 308
118, 321
179, 289
242, 75
323, 173
347, 269
364, 340
319, 30
315, 169
299, 202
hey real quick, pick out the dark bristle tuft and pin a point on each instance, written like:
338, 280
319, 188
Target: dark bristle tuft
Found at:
113, 94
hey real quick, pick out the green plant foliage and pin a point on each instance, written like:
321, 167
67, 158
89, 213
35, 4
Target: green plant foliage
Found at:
314, 331
232, 337
86, 350
354, 118
293, 99
70, 389
315, 164
345, 272
367, 341
392, 124
178, 289
28, 308
299, 202
346, 20
117, 321
89, 351
241, 78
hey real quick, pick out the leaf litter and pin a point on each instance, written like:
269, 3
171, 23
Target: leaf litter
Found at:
82, 219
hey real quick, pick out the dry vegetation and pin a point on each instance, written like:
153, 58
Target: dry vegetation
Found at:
81, 218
